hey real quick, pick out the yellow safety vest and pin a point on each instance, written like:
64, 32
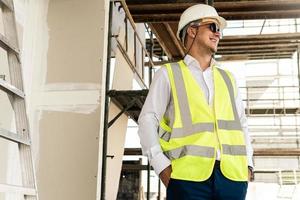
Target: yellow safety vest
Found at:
198, 130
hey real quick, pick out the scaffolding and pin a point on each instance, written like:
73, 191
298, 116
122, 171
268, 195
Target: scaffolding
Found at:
130, 102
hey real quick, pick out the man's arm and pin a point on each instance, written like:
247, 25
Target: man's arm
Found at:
153, 110
244, 124
243, 120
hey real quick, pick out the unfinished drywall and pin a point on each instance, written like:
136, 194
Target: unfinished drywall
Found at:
73, 81
68, 149
76, 23
64, 51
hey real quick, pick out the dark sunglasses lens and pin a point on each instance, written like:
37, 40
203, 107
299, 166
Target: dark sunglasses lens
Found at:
214, 28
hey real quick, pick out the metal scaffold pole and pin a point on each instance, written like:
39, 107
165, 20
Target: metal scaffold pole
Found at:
209, 2
298, 66
150, 80
106, 109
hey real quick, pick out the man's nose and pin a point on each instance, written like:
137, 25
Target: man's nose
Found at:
218, 34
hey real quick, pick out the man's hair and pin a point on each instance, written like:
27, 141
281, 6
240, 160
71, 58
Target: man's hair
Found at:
183, 32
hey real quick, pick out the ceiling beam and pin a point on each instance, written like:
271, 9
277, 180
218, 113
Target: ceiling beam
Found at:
258, 54
258, 46
170, 11
274, 36
163, 35
159, 38
174, 39
249, 51
236, 58
277, 152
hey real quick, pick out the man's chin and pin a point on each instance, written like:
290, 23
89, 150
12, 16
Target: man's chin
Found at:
213, 50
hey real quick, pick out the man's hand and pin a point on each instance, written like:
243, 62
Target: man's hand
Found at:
250, 175
165, 175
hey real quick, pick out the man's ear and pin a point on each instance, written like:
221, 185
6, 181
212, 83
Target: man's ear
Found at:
191, 32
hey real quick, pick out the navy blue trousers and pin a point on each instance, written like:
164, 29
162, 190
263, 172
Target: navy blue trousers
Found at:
217, 187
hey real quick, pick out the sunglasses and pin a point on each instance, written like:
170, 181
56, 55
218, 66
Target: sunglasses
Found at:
213, 27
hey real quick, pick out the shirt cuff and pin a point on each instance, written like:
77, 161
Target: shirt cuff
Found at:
250, 162
159, 163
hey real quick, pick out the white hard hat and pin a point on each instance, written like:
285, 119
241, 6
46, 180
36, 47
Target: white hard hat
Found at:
196, 12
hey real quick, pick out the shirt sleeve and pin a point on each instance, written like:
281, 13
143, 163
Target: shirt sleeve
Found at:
244, 124
152, 112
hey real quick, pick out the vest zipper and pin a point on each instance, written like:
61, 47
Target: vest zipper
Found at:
214, 113
216, 131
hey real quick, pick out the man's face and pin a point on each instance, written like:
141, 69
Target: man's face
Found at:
208, 36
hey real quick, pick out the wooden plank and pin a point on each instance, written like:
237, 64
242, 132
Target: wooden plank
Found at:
279, 14
269, 57
255, 50
256, 54
141, 18
154, 5
171, 17
258, 42
158, 30
132, 151
249, 44
271, 5
134, 167
277, 152
136, 7
157, 63
257, 151
234, 10
174, 39
14, 137
258, 46
236, 58
275, 36
140, 167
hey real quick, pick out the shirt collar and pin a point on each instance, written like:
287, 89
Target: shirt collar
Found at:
190, 61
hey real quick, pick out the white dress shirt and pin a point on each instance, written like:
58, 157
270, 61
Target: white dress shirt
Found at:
160, 102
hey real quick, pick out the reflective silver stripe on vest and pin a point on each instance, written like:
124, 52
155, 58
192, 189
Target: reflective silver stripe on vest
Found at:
236, 150
229, 125
182, 96
165, 135
225, 124
192, 150
180, 132
188, 128
195, 128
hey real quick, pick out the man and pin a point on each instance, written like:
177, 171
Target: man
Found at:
193, 126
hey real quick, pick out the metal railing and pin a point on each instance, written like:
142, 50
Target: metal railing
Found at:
137, 42
271, 98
